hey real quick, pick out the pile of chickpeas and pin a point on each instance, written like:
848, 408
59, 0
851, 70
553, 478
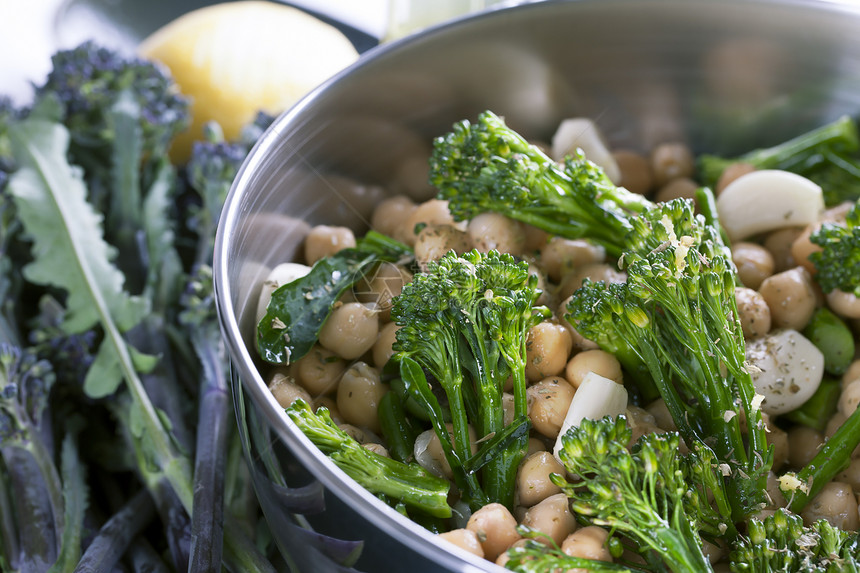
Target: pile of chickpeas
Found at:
342, 371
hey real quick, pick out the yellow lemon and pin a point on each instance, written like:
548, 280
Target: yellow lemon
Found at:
237, 58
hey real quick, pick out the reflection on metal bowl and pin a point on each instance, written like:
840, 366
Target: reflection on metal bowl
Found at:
720, 76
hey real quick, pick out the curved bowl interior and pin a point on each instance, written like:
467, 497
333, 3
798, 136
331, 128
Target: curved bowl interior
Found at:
721, 76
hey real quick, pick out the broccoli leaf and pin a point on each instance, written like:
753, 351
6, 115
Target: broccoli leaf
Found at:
50, 195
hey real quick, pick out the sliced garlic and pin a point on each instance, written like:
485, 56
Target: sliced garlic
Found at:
767, 200
582, 133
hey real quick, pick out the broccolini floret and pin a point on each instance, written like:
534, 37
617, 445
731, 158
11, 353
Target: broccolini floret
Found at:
781, 542
678, 314
838, 261
827, 155
88, 81
486, 166
645, 494
465, 321
409, 484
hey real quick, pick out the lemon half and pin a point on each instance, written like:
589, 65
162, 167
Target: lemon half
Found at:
237, 58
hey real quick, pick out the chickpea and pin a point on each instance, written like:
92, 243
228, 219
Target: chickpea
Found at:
595, 272
670, 161
503, 557
777, 499
560, 256
389, 215
508, 408
803, 444
429, 454
790, 297
843, 303
432, 212
411, 177
382, 348
837, 504
358, 395
597, 361
754, 263
662, 417
753, 311
377, 449
325, 240
779, 244
852, 374
434, 241
635, 170
286, 391
535, 238
850, 475
356, 433
533, 483
548, 346
465, 539
492, 231
549, 401
730, 173
551, 517
641, 422
320, 370
833, 424
496, 529
580, 343
350, 330
802, 247
778, 438
679, 188
849, 399
379, 286
587, 543
535, 445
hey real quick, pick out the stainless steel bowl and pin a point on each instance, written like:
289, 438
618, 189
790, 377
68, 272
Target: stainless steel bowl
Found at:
723, 76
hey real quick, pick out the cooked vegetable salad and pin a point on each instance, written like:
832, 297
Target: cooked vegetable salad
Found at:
606, 360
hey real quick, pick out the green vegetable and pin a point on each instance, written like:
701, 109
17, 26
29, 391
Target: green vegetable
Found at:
298, 310
827, 155
833, 338
409, 484
648, 493
781, 542
104, 294
486, 166
838, 261
465, 321
820, 407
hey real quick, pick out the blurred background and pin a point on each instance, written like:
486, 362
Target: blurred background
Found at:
31, 30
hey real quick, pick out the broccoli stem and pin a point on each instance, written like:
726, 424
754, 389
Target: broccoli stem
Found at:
406, 483
37, 534
831, 459
213, 428
114, 537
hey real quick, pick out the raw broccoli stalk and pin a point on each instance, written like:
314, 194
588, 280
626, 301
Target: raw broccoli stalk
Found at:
25, 384
677, 311
486, 166
643, 493
465, 321
409, 484
781, 542
826, 155
838, 261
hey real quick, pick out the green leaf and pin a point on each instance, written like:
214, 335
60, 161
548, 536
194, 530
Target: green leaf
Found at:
299, 309
69, 250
